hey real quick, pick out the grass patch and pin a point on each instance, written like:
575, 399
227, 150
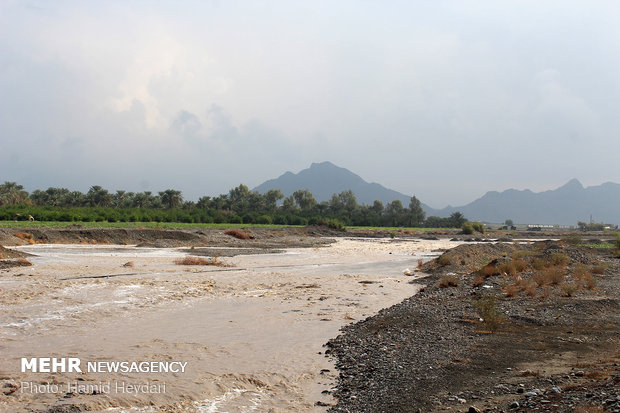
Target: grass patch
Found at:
604, 245
549, 276
524, 254
539, 263
558, 258
448, 281
589, 281
568, 290
572, 239
511, 290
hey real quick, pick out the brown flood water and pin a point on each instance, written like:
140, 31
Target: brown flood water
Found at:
250, 334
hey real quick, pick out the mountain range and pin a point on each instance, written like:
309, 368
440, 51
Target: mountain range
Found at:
565, 205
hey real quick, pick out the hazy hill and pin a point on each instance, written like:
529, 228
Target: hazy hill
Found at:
325, 179
563, 206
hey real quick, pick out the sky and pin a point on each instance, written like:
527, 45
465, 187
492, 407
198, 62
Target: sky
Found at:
444, 100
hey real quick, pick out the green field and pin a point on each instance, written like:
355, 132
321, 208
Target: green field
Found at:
178, 225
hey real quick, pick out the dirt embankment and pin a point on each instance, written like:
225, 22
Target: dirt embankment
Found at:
499, 327
196, 237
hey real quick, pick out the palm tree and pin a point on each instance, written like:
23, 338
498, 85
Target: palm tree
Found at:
97, 196
171, 198
12, 194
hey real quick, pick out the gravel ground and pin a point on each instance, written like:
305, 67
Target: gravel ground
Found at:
432, 352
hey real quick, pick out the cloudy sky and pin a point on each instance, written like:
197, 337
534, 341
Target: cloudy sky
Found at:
442, 99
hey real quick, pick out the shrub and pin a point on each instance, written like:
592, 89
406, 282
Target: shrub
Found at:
264, 219
568, 290
507, 267
530, 288
238, 233
468, 228
580, 271
489, 270
331, 223
478, 226
572, 239
523, 254
589, 281
558, 258
444, 260
549, 276
511, 290
235, 219
486, 307
478, 280
201, 261
448, 281
539, 263
598, 269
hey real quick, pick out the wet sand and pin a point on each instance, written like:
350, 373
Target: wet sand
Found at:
251, 334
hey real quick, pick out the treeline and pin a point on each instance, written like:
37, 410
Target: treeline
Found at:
240, 205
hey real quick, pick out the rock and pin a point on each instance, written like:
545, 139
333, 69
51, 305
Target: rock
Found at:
460, 400
407, 272
556, 390
533, 393
9, 387
473, 409
515, 405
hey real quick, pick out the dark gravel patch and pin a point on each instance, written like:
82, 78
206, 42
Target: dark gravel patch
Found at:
431, 352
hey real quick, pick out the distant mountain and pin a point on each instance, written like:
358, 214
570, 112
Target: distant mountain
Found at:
565, 205
325, 179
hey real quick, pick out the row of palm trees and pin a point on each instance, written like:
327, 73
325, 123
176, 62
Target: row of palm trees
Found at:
13, 194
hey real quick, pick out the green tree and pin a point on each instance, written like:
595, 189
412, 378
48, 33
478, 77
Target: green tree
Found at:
97, 196
271, 199
304, 199
171, 198
289, 204
415, 214
204, 202
12, 194
239, 198
394, 213
457, 220
343, 204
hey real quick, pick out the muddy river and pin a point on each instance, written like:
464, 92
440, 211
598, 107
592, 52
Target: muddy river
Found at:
249, 335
